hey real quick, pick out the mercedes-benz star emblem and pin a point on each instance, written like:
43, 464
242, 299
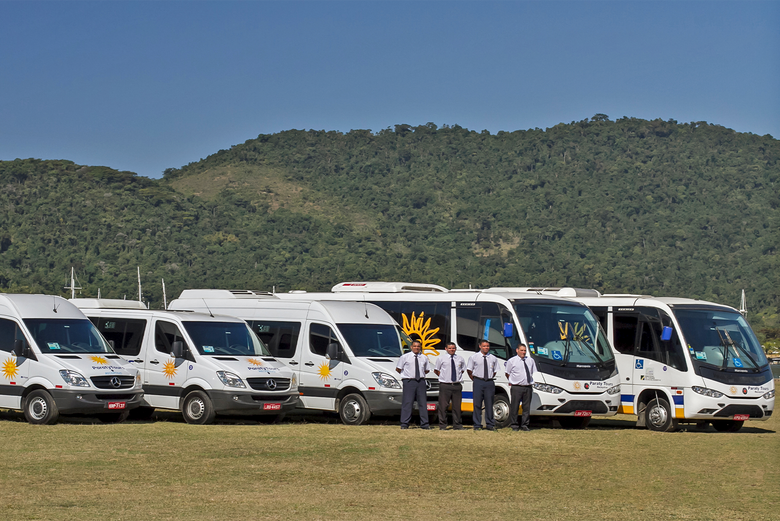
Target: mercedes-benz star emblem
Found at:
116, 382
428, 385
271, 384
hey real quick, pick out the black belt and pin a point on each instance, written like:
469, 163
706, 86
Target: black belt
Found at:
412, 379
450, 383
484, 379
520, 385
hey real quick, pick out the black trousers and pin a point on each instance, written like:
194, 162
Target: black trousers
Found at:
414, 390
520, 394
484, 390
447, 393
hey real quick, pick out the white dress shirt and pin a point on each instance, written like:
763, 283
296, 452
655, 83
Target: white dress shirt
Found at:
444, 367
516, 372
406, 365
476, 365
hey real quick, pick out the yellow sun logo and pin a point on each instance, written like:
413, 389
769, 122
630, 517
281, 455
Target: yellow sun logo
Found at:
416, 326
323, 371
169, 369
98, 359
9, 368
255, 361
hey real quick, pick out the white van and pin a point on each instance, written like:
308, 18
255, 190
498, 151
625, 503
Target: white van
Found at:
344, 353
199, 364
54, 361
682, 360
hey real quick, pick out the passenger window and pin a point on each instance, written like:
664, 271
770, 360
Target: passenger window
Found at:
9, 332
280, 337
624, 332
428, 322
675, 355
126, 334
482, 322
165, 334
319, 337
601, 315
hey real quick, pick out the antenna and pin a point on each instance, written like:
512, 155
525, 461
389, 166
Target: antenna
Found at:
140, 295
743, 305
365, 309
165, 299
207, 307
72, 286
98, 293
55, 304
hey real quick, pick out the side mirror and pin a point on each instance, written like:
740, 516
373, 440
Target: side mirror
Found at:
666, 334
333, 351
20, 348
177, 349
509, 330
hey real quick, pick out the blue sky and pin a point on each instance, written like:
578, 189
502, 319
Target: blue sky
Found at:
148, 85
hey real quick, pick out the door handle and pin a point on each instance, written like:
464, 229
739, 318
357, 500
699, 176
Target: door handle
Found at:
154, 362
293, 363
310, 364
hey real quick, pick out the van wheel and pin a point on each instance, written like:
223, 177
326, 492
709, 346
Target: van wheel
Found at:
198, 408
573, 422
727, 425
501, 411
113, 417
658, 416
353, 410
40, 409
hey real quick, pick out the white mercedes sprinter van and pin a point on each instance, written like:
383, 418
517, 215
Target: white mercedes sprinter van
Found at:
199, 364
53, 361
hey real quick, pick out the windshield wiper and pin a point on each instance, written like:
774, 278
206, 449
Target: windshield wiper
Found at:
738, 348
725, 346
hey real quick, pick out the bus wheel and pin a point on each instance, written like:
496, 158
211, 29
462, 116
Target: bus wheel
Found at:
198, 409
572, 422
501, 411
40, 409
658, 416
727, 425
353, 410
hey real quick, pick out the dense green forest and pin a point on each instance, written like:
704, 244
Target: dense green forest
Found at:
654, 207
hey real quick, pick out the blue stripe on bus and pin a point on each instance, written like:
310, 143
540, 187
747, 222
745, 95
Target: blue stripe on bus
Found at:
468, 395
627, 398
678, 399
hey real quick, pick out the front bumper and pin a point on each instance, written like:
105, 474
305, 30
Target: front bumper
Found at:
90, 402
232, 402
383, 402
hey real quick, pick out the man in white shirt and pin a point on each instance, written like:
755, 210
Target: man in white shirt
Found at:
482, 368
519, 372
413, 367
449, 368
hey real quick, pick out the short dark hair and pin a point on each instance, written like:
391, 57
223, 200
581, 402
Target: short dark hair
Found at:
483, 341
448, 344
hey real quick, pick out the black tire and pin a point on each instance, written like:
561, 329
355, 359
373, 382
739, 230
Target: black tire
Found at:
353, 410
727, 425
198, 409
574, 422
141, 413
40, 408
501, 411
659, 416
113, 417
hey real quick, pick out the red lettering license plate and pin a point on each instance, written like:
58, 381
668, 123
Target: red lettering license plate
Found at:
116, 405
432, 406
741, 417
582, 413
272, 406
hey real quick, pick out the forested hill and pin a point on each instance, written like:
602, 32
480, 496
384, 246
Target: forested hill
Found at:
621, 206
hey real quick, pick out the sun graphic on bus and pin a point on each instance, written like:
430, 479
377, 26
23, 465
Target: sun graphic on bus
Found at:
98, 360
255, 361
416, 326
9, 368
323, 371
169, 369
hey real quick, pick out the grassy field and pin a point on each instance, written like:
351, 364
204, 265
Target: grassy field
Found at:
315, 468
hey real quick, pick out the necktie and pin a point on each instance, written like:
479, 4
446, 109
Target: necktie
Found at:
485, 368
454, 374
527, 372
416, 368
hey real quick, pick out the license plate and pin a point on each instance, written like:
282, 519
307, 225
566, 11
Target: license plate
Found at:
741, 417
272, 406
582, 413
432, 406
116, 405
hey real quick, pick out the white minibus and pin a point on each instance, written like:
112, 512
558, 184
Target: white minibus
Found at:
54, 361
577, 375
343, 353
199, 364
682, 360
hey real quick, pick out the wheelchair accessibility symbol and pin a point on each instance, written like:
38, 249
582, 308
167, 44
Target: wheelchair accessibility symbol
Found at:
640, 364
557, 355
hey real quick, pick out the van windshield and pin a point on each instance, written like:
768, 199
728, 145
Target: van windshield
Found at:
225, 338
66, 336
372, 339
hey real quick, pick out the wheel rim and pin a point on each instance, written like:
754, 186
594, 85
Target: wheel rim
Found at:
658, 416
195, 408
500, 411
38, 408
352, 411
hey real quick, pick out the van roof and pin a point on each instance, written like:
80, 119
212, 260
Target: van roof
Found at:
106, 303
387, 287
39, 306
225, 293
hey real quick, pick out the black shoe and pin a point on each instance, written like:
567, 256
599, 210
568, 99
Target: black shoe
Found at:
404, 426
477, 428
460, 428
442, 428
524, 428
515, 429
426, 428
490, 428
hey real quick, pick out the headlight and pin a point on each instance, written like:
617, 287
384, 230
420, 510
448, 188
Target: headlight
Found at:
74, 378
770, 394
385, 380
707, 392
293, 382
614, 390
548, 388
138, 382
230, 379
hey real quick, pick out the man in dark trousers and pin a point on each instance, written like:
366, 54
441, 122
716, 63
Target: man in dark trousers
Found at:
449, 368
519, 372
482, 368
413, 366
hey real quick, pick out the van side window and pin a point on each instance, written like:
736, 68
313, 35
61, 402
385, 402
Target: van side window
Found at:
601, 315
125, 333
165, 334
320, 336
281, 338
9, 332
625, 332
482, 321
434, 327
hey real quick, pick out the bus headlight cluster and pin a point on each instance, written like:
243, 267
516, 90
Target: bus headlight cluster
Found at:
707, 392
770, 394
73, 378
548, 388
385, 380
614, 390
230, 379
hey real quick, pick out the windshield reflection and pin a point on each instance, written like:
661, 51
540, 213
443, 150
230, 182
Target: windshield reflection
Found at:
225, 338
67, 336
372, 339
